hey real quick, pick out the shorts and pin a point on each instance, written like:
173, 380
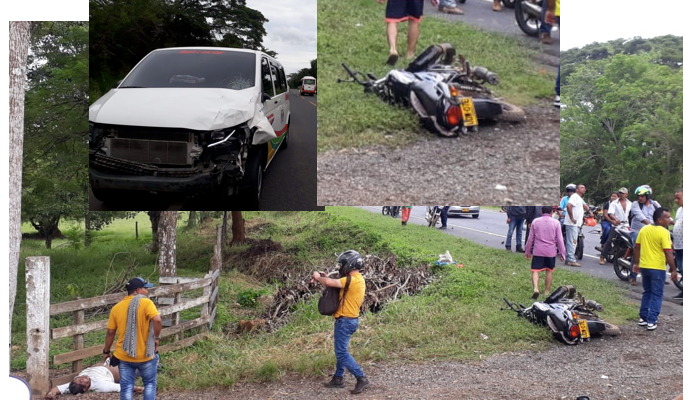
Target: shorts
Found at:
403, 10
541, 263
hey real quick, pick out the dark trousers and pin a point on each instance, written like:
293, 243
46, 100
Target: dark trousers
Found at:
443, 215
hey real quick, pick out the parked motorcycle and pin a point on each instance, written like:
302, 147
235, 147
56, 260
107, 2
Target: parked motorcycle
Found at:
392, 211
572, 320
432, 215
449, 97
528, 14
622, 253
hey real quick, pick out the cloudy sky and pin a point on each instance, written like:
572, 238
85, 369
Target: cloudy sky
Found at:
605, 20
291, 30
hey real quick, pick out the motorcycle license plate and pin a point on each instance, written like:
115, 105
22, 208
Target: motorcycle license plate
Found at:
469, 112
584, 331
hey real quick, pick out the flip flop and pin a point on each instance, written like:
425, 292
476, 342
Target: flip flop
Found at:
536, 295
392, 59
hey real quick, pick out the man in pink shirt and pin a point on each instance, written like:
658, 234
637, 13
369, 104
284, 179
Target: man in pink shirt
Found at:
543, 245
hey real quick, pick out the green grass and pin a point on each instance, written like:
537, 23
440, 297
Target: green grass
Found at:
353, 32
444, 322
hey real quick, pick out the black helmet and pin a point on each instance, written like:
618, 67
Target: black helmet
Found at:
349, 261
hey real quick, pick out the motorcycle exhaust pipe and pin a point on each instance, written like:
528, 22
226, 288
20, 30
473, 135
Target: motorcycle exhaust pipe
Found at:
532, 8
625, 263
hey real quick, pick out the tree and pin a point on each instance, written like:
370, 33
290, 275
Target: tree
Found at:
154, 221
97, 220
238, 227
167, 242
192, 219
20, 32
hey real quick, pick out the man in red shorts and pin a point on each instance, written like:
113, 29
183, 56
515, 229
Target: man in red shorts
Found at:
399, 11
543, 245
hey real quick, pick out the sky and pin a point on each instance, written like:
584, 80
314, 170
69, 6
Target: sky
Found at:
291, 30
604, 20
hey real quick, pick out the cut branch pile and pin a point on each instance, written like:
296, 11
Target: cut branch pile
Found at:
385, 282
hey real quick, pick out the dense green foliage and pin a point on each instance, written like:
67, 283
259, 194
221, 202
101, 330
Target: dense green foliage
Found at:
623, 123
125, 31
294, 79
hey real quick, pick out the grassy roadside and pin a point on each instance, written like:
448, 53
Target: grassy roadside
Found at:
353, 32
443, 322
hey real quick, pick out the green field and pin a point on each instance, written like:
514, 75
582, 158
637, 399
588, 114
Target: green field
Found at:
353, 32
444, 322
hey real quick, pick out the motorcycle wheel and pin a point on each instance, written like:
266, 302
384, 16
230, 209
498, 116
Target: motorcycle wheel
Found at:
579, 248
509, 3
611, 330
386, 210
679, 283
621, 272
529, 24
511, 113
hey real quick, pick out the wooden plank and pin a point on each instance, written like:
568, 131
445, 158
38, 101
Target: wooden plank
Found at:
161, 301
181, 344
63, 379
172, 330
211, 318
72, 330
111, 299
215, 294
177, 280
38, 324
213, 274
167, 310
78, 355
77, 366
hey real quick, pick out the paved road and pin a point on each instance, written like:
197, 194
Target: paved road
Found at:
490, 229
289, 182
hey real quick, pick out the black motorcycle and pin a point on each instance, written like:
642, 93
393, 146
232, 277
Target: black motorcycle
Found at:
432, 215
449, 97
622, 253
572, 320
392, 211
528, 13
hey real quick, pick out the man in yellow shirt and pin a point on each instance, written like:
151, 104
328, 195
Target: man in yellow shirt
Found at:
346, 317
653, 249
137, 324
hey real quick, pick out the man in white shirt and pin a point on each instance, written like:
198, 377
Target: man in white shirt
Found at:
678, 236
101, 378
619, 210
573, 222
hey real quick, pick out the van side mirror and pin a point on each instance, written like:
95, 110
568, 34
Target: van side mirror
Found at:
265, 97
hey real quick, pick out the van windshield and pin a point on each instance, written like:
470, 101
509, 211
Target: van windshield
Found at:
194, 68
310, 82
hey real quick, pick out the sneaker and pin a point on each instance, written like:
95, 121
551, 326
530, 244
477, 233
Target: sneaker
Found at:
574, 264
520, 249
602, 261
336, 382
362, 383
508, 248
545, 38
679, 296
642, 322
633, 282
496, 5
651, 326
557, 102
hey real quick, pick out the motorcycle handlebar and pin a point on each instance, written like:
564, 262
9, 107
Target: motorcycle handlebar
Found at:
352, 74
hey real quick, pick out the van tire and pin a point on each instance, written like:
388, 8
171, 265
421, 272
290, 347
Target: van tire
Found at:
251, 185
287, 137
104, 195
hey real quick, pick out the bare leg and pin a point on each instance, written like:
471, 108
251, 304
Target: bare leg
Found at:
412, 38
548, 281
535, 281
392, 37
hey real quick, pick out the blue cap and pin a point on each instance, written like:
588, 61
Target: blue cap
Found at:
136, 283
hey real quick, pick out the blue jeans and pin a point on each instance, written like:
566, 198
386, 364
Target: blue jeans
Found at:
443, 215
606, 229
653, 295
556, 89
343, 331
571, 242
518, 224
127, 375
633, 237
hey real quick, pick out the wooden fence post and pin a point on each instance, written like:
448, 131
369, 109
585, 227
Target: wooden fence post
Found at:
79, 316
136, 230
38, 324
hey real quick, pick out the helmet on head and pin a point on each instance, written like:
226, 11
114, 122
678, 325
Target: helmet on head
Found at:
643, 190
570, 187
348, 261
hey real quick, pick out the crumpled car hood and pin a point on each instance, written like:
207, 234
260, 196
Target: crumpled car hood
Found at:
189, 108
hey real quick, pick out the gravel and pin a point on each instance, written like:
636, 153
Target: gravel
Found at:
475, 169
637, 365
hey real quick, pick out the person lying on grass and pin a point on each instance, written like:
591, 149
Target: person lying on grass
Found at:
101, 378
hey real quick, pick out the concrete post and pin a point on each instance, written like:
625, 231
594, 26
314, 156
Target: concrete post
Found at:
38, 324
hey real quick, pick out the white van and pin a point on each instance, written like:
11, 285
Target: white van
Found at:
191, 120
308, 85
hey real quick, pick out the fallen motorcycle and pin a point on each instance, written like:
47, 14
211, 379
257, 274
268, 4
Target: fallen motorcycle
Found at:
432, 215
450, 98
572, 320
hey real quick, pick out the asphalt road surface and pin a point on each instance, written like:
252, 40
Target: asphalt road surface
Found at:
490, 229
289, 181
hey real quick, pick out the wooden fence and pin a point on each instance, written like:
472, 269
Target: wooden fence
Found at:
39, 333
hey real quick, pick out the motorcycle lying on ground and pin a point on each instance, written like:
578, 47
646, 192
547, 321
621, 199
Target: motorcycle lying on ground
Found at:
528, 14
572, 320
450, 98
432, 215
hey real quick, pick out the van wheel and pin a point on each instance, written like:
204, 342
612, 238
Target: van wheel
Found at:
104, 195
287, 137
251, 185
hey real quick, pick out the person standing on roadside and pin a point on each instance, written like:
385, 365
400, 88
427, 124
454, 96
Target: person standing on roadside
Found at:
642, 211
678, 236
617, 216
137, 324
544, 244
346, 317
443, 216
515, 217
406, 213
653, 249
573, 222
532, 212
606, 224
397, 11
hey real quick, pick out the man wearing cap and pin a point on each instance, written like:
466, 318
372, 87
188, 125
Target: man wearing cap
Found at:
618, 216
137, 324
